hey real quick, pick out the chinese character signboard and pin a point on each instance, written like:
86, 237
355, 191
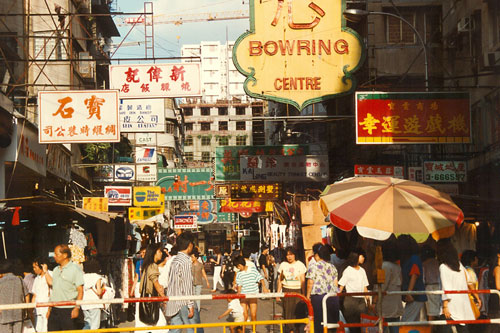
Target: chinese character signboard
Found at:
415, 174
185, 222
77, 116
202, 209
445, 172
257, 191
186, 183
379, 171
142, 115
222, 191
145, 172
227, 158
388, 118
118, 195
59, 161
298, 52
149, 196
249, 207
95, 204
141, 213
156, 80
284, 168
145, 155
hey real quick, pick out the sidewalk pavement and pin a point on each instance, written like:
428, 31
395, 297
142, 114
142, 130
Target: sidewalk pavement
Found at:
268, 309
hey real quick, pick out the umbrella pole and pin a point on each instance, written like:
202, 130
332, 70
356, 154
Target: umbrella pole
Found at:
3, 242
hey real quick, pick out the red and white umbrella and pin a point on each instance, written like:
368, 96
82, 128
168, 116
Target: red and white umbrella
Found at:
381, 206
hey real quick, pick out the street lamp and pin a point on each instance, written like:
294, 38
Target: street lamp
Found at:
355, 15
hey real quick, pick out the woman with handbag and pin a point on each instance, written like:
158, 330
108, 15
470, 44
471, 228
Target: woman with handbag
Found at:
149, 312
453, 277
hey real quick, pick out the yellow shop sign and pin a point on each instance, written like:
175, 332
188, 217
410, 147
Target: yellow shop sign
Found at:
298, 52
148, 196
141, 213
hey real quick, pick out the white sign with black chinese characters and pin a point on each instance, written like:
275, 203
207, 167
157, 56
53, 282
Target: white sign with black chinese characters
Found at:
142, 115
145, 155
284, 168
445, 172
78, 116
146, 173
156, 80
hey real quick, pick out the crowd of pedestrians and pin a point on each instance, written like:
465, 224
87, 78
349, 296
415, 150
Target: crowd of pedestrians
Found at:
181, 271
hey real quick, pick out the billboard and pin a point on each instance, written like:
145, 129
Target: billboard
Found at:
300, 58
118, 195
186, 183
416, 117
148, 196
445, 172
185, 222
227, 158
379, 171
304, 168
78, 116
156, 80
142, 115
145, 172
145, 155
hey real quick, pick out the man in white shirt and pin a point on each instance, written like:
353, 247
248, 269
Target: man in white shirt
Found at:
41, 293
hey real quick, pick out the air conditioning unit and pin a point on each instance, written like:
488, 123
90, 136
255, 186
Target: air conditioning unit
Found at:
492, 59
466, 24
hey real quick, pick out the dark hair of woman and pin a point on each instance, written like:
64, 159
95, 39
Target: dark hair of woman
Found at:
448, 255
352, 259
407, 247
292, 250
324, 253
427, 253
149, 257
468, 257
390, 250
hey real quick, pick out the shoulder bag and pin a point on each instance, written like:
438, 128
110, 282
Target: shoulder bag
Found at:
473, 305
149, 312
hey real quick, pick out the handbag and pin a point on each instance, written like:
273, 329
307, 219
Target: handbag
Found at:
149, 312
473, 305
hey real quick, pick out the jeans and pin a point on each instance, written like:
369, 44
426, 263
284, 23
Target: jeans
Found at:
197, 291
60, 320
92, 319
181, 318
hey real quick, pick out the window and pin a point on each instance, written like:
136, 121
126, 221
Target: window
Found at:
205, 156
205, 126
188, 126
205, 111
399, 32
223, 141
188, 156
189, 141
222, 125
433, 31
257, 111
223, 111
240, 126
241, 140
240, 111
169, 128
205, 140
188, 111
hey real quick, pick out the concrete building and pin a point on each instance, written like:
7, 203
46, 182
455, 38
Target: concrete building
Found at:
224, 115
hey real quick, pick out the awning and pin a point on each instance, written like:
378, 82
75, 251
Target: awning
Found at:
44, 204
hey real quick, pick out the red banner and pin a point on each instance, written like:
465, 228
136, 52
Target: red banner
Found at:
228, 206
412, 118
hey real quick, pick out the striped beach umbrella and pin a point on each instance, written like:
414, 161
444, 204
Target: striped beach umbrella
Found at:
381, 206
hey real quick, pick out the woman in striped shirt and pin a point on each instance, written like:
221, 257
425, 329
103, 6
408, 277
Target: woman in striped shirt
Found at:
247, 282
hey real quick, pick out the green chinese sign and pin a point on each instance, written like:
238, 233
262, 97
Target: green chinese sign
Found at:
227, 158
186, 183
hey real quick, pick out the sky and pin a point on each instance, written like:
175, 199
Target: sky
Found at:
169, 38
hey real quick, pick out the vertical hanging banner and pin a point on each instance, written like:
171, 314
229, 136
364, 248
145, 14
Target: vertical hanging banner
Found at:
421, 117
78, 116
298, 52
156, 80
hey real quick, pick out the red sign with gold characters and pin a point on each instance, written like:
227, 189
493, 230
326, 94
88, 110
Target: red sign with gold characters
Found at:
423, 117
255, 191
78, 116
379, 171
